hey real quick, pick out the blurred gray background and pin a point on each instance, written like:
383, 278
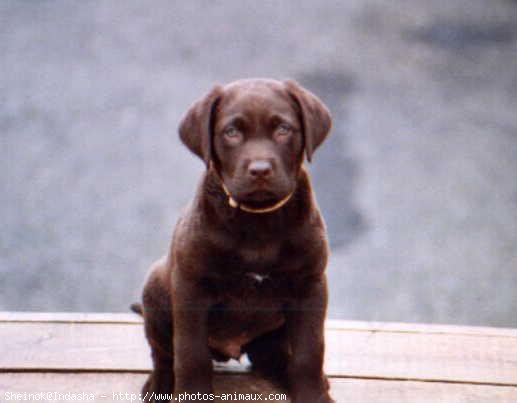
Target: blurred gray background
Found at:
418, 181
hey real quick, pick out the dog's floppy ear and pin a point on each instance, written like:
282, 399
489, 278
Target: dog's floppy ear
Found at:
315, 116
196, 126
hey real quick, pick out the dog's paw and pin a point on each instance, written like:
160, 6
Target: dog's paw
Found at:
156, 389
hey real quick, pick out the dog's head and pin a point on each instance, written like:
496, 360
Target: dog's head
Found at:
255, 132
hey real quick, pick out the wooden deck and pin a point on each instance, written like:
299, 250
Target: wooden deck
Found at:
106, 355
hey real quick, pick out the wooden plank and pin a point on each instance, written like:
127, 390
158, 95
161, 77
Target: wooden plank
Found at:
79, 317
350, 353
75, 346
422, 356
397, 327
371, 391
104, 386
70, 317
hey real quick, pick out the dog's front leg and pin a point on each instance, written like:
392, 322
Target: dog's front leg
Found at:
192, 360
305, 326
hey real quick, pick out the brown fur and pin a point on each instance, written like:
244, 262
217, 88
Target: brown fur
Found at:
236, 282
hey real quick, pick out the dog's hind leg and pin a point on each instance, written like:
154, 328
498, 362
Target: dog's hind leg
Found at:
157, 313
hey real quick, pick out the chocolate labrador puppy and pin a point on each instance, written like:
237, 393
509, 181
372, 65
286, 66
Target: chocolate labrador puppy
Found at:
245, 272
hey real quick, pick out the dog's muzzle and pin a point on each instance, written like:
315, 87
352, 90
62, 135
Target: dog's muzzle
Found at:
242, 206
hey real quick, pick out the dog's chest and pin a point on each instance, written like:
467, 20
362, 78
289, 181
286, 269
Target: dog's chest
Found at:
258, 255
252, 284
257, 278
253, 270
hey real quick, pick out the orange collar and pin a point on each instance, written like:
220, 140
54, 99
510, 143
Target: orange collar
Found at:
256, 210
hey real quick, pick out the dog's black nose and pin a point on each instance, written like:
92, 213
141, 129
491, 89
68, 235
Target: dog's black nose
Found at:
260, 168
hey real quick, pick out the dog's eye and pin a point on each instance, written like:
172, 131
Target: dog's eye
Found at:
231, 132
284, 129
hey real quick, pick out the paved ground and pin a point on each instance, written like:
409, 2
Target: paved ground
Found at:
417, 182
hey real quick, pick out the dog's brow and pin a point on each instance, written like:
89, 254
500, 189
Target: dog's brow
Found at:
238, 120
276, 119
